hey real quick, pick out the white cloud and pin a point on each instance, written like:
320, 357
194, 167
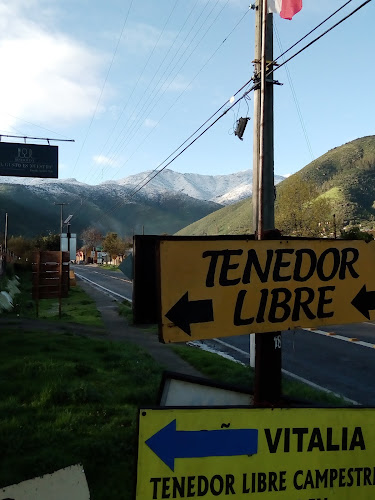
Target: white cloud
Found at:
150, 123
178, 84
104, 160
143, 37
47, 77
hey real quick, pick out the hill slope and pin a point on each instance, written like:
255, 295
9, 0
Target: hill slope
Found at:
345, 175
32, 211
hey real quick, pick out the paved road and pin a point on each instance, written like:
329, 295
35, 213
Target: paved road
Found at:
113, 282
334, 362
343, 363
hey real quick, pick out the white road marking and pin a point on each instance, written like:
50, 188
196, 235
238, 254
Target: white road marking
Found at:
113, 277
341, 337
120, 279
292, 375
103, 288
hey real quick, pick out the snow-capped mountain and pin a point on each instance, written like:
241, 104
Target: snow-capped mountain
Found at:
168, 203
223, 189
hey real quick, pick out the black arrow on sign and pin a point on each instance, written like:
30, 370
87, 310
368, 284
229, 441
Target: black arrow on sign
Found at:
364, 301
185, 312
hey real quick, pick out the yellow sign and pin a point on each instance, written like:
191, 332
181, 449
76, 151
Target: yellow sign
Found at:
232, 287
290, 454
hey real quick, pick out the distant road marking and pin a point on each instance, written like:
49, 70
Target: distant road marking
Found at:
113, 277
111, 292
292, 375
120, 279
341, 337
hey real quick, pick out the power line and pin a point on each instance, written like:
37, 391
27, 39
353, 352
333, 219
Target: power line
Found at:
139, 78
103, 86
151, 98
31, 123
312, 31
296, 100
180, 95
302, 38
271, 71
317, 38
134, 131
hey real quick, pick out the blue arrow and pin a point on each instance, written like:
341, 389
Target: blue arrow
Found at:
169, 443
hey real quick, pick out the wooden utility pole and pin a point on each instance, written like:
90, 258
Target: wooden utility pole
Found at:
267, 388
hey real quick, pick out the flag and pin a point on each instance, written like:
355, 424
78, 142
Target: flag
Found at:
286, 8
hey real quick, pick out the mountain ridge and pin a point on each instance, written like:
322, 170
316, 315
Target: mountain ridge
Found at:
222, 189
345, 175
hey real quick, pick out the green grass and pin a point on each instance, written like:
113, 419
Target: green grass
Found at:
67, 400
125, 309
232, 219
223, 370
78, 307
334, 194
110, 267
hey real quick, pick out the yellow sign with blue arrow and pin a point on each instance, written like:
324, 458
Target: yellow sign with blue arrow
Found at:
242, 453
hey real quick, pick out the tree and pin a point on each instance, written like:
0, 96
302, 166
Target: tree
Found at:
20, 246
91, 237
114, 245
47, 242
300, 211
355, 233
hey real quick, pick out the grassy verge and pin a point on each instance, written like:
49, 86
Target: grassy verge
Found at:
110, 267
67, 400
78, 307
79, 405
224, 370
125, 309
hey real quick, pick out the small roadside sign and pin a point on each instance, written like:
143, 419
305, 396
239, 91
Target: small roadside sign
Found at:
222, 288
290, 454
28, 160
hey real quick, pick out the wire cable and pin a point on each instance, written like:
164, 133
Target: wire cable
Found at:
157, 172
180, 95
319, 37
138, 118
103, 86
311, 31
139, 79
296, 100
130, 137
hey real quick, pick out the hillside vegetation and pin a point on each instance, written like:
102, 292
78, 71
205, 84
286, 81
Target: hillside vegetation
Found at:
32, 211
341, 182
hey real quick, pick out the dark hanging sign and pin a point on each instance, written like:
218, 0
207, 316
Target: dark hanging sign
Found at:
28, 160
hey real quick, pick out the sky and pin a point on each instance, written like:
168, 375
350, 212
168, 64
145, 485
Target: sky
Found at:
131, 80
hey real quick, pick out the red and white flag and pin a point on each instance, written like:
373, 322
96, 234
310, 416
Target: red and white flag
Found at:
286, 8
